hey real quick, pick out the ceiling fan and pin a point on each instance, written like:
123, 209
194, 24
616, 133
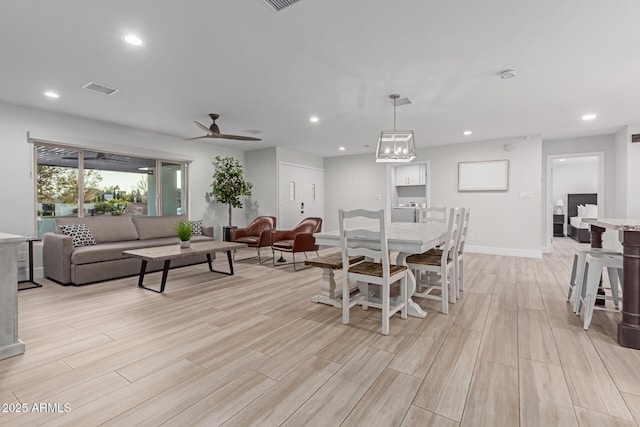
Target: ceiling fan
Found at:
100, 157
213, 131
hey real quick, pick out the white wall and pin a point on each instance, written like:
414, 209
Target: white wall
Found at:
621, 139
17, 188
352, 182
500, 222
262, 172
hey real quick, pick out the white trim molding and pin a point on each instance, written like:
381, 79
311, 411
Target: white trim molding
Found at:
522, 253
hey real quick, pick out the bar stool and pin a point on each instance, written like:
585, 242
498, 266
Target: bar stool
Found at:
593, 271
577, 273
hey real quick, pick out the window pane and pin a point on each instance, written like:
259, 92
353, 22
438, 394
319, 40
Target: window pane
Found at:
56, 185
117, 185
173, 196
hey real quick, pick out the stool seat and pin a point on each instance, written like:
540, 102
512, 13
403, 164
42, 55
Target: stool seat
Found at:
594, 264
578, 270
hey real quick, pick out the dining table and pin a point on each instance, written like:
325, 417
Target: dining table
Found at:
406, 238
629, 235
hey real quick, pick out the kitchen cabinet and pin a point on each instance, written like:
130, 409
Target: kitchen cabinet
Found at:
410, 175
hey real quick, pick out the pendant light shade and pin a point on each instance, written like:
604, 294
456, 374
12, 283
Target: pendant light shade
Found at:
395, 146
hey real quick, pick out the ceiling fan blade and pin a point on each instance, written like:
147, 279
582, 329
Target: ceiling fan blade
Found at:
238, 137
203, 127
198, 137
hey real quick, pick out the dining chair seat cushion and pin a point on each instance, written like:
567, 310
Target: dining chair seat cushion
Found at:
283, 244
375, 269
426, 259
436, 252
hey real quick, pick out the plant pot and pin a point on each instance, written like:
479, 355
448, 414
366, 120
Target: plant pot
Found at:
185, 244
226, 233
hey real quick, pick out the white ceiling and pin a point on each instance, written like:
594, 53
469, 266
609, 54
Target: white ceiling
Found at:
338, 59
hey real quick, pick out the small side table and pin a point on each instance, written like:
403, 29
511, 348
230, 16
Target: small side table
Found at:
558, 225
30, 283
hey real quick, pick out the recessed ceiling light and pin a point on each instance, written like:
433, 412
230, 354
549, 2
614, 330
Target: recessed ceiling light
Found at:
563, 160
342, 148
51, 94
467, 132
133, 40
587, 117
314, 119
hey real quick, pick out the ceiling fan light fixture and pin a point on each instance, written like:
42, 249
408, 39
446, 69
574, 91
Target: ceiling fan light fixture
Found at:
395, 146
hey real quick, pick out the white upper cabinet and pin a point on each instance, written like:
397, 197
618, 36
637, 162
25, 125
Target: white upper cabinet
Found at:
411, 175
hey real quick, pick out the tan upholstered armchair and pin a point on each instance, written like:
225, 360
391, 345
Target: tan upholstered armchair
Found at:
300, 239
257, 234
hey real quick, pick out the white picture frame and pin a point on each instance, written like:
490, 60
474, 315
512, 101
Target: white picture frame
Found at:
489, 175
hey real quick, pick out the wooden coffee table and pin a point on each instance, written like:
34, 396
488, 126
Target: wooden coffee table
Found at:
168, 253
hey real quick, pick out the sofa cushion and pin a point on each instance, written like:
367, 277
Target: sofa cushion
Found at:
155, 227
80, 234
105, 228
113, 250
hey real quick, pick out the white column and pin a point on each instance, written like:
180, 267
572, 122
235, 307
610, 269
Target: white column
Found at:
10, 344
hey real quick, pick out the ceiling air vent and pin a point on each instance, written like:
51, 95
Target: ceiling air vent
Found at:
97, 87
278, 5
635, 138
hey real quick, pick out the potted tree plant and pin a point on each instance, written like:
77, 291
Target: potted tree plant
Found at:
184, 234
228, 185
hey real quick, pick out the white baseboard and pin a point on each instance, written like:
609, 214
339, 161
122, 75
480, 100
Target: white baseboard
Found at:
524, 253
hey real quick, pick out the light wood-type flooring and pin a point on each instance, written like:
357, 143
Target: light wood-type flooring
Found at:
253, 350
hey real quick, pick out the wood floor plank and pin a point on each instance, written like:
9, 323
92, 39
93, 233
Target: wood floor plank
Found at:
493, 397
125, 398
418, 352
633, 403
418, 417
284, 398
445, 388
386, 402
484, 283
164, 405
535, 339
343, 391
590, 418
544, 396
590, 385
529, 296
622, 363
474, 311
219, 406
500, 338
505, 297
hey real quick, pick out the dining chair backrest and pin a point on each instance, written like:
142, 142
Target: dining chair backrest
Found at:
463, 229
451, 237
378, 249
438, 215
459, 236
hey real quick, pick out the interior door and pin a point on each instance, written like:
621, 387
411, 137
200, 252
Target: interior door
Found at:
301, 194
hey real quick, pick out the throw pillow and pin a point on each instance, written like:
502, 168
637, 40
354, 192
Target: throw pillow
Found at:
196, 227
80, 233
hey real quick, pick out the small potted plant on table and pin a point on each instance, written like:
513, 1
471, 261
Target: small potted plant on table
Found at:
184, 234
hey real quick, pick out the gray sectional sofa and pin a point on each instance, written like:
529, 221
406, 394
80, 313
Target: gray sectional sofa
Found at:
113, 234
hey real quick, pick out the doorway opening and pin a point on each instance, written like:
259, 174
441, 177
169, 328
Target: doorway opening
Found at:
575, 190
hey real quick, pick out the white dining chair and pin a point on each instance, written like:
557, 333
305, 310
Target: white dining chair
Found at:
441, 264
433, 214
382, 273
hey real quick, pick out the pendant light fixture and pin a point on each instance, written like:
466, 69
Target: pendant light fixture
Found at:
396, 146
